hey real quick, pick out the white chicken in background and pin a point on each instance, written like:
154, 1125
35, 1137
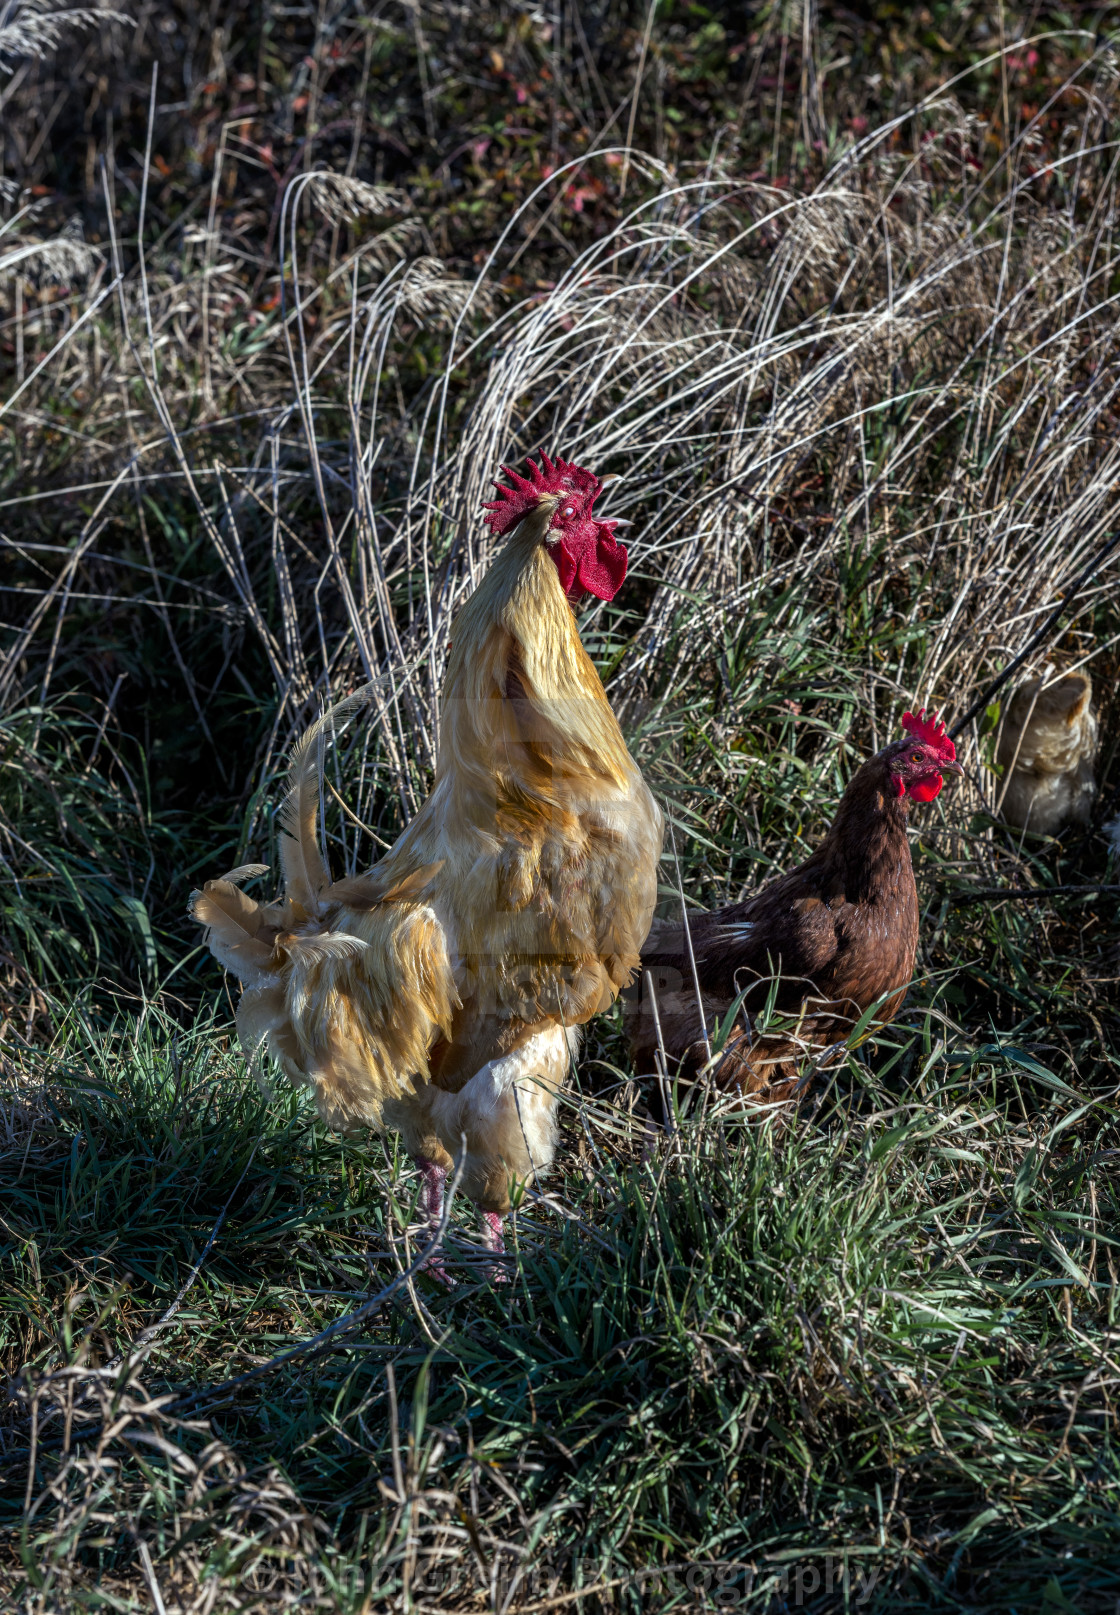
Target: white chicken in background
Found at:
1046, 750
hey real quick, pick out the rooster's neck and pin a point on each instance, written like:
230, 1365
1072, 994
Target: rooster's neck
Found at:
522, 700
868, 834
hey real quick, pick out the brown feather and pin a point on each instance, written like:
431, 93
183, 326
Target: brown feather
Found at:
305, 874
318, 945
240, 934
839, 933
244, 872
362, 892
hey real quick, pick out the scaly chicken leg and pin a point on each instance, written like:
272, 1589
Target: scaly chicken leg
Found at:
433, 1180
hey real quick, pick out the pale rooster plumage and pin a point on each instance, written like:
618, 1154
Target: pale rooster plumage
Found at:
1046, 749
441, 993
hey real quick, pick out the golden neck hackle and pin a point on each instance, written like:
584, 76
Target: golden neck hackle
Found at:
523, 706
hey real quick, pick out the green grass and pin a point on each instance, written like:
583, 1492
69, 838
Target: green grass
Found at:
83, 846
855, 354
888, 1331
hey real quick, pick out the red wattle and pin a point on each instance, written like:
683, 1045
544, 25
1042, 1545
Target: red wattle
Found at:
602, 570
596, 564
924, 790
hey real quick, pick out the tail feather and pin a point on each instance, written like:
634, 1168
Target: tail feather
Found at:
244, 872
240, 931
306, 876
305, 873
363, 892
366, 1023
346, 985
264, 1027
313, 947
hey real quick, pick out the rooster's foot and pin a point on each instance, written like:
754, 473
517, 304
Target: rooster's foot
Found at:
494, 1240
433, 1268
431, 1198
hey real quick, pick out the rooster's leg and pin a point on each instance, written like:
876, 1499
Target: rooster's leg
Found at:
492, 1236
494, 1240
433, 1178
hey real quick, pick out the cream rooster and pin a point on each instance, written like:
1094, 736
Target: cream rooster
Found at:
1046, 750
442, 993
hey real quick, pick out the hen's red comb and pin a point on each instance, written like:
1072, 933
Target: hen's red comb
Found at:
551, 476
931, 732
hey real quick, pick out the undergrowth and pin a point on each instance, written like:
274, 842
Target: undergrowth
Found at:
886, 1333
835, 295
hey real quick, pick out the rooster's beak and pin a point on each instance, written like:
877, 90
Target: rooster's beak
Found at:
952, 768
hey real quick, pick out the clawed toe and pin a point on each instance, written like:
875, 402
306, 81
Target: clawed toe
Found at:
435, 1269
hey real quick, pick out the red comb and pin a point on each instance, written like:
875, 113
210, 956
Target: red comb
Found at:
552, 476
931, 732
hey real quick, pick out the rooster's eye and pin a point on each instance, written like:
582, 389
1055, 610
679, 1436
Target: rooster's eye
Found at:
569, 511
915, 756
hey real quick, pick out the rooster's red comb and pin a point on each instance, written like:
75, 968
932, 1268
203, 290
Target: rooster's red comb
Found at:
551, 476
929, 729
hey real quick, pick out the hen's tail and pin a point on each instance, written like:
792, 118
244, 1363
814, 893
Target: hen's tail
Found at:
345, 984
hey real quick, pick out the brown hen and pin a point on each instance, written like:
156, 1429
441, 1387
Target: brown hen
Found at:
829, 940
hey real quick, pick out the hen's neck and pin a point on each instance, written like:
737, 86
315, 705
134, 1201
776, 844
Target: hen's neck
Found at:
867, 838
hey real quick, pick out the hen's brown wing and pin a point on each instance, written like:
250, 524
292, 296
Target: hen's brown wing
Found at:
831, 957
793, 929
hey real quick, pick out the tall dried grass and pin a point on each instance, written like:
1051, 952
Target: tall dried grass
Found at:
910, 369
866, 430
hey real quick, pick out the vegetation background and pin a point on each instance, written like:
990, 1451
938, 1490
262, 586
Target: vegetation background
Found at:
835, 289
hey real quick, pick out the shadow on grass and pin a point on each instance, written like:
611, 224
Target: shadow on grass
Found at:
882, 1330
